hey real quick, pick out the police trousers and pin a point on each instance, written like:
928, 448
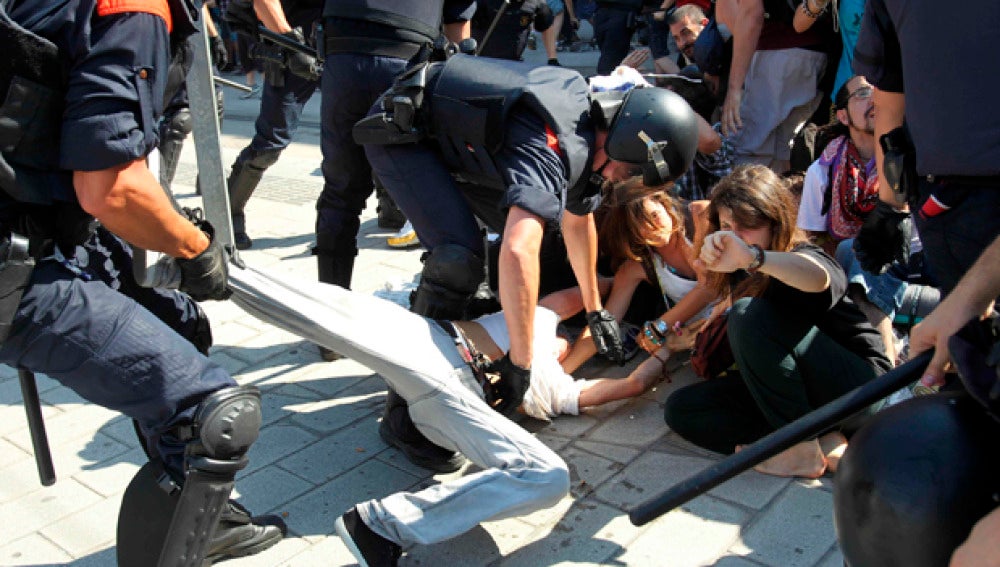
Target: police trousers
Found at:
86, 323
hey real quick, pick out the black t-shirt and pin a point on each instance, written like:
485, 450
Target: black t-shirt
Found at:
831, 310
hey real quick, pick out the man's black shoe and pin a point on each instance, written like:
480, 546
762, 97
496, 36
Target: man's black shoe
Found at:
398, 430
390, 217
242, 240
239, 534
369, 548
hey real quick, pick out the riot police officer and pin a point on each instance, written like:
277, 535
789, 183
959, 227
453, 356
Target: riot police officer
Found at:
367, 44
531, 144
944, 164
614, 24
84, 84
290, 79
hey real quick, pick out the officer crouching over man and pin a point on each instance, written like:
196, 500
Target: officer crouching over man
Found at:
532, 147
83, 85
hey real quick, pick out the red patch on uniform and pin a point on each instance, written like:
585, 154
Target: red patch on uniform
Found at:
155, 7
551, 140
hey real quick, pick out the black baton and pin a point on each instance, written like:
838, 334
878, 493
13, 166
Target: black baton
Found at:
36, 427
806, 427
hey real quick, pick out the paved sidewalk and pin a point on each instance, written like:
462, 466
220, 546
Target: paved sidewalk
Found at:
319, 451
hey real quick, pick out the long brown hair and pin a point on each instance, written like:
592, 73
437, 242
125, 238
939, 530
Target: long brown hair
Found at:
624, 223
758, 198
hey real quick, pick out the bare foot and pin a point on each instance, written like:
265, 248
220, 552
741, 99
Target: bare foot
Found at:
833, 445
804, 460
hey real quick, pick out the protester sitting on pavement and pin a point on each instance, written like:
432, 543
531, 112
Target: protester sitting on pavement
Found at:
643, 231
797, 339
840, 189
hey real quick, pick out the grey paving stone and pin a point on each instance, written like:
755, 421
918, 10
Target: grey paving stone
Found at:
279, 402
113, 475
12, 454
67, 426
589, 534
796, 529
330, 552
615, 452
19, 479
40, 508
333, 455
695, 535
833, 558
482, 545
32, 549
101, 558
587, 471
12, 416
571, 426
330, 379
362, 399
654, 472
268, 488
224, 358
88, 530
313, 513
637, 424
274, 443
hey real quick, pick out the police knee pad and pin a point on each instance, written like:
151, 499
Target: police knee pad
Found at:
451, 274
227, 423
914, 480
160, 521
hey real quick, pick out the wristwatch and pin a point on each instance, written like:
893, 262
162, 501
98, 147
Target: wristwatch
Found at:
758, 259
661, 327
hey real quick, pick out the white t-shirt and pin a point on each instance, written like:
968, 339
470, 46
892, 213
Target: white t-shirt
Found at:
814, 186
552, 390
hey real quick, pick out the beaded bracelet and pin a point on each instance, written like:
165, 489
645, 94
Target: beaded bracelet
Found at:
810, 13
652, 334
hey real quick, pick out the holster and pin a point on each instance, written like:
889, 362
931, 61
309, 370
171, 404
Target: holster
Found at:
900, 162
15, 273
400, 121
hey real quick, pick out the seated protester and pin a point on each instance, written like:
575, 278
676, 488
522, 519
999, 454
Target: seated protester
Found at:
840, 189
643, 232
798, 340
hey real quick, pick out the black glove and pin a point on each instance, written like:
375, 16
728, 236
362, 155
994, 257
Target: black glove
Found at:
219, 54
505, 391
884, 238
206, 275
607, 338
299, 63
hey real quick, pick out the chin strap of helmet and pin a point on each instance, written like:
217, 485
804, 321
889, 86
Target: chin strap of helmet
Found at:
656, 170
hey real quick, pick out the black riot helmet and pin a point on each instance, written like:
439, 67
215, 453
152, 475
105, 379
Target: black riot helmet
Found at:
654, 128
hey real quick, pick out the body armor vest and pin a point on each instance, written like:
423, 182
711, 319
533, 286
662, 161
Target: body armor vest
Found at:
472, 98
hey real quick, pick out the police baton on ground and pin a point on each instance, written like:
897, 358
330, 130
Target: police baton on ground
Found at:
806, 427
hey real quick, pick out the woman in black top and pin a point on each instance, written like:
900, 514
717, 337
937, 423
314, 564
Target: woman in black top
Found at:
797, 339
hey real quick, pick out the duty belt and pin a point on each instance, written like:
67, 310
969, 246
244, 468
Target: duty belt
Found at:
477, 361
370, 46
